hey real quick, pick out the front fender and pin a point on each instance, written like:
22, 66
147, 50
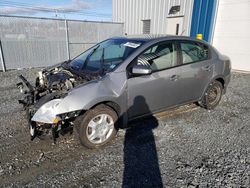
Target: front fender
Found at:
112, 87
86, 96
75, 101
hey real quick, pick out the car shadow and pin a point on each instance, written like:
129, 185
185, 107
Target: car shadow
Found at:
141, 166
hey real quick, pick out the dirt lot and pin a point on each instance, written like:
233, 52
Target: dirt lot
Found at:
188, 147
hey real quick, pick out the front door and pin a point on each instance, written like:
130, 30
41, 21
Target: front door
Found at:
149, 93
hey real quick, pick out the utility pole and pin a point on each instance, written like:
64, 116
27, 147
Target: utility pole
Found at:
67, 38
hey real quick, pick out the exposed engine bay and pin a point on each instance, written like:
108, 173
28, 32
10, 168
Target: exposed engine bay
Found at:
52, 84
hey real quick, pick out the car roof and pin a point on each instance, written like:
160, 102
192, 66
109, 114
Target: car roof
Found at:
158, 37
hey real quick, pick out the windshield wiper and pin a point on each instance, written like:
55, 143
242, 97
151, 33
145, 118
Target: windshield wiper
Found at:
102, 62
66, 65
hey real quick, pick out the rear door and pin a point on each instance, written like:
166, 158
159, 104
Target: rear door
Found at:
196, 70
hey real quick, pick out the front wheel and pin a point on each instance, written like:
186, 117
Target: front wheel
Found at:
212, 95
97, 127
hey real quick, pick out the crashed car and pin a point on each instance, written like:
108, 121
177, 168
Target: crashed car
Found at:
121, 79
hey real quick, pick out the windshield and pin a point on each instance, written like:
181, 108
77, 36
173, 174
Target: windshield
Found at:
105, 56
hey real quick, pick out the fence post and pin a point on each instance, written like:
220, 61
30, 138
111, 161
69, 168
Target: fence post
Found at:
67, 38
1, 57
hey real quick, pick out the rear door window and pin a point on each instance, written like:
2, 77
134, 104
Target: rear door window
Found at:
193, 52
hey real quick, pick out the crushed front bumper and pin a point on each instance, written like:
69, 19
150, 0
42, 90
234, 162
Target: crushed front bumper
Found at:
42, 113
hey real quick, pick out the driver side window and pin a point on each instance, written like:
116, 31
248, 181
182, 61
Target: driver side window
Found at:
160, 56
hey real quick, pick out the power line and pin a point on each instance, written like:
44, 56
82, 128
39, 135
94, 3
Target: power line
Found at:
58, 10
45, 9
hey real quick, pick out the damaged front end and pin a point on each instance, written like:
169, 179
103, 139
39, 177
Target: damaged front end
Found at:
41, 101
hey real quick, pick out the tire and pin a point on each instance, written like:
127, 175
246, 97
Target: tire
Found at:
97, 127
212, 96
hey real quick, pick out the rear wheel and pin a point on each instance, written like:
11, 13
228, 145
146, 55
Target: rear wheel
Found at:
212, 95
97, 127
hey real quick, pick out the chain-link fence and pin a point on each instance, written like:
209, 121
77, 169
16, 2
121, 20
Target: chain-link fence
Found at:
38, 42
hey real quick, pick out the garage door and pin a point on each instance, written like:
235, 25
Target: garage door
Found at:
232, 32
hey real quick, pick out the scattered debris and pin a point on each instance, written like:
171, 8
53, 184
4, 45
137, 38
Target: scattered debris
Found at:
1, 171
41, 156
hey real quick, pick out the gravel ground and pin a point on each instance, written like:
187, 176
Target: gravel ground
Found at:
188, 147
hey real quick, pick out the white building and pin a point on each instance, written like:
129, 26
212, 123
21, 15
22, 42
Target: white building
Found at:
224, 23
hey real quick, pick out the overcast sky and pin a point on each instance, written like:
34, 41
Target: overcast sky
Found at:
71, 9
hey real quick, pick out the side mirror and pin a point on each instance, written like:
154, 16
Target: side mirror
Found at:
141, 69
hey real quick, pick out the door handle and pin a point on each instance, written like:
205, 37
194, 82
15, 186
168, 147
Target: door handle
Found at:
206, 68
174, 77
